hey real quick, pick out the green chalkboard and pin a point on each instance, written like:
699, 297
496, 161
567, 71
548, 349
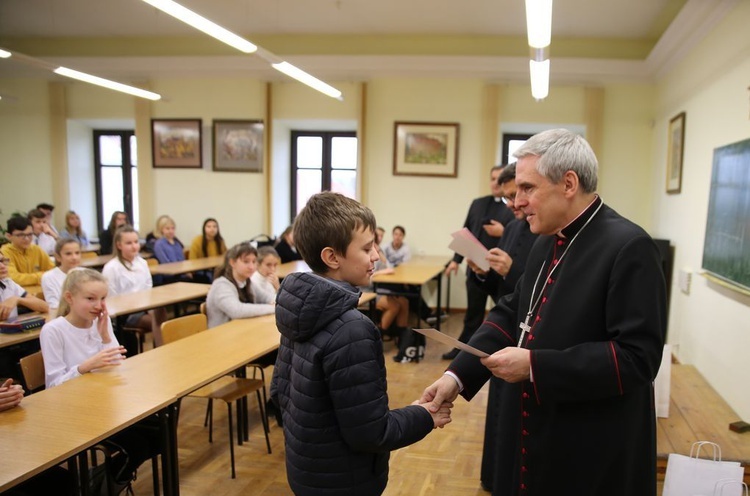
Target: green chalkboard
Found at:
726, 250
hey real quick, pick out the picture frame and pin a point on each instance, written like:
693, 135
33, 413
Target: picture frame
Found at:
675, 151
425, 149
238, 145
177, 143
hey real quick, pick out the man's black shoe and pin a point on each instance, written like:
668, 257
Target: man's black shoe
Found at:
451, 354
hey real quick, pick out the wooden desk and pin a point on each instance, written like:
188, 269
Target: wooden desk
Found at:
417, 272
290, 267
55, 424
185, 266
32, 290
157, 297
96, 262
20, 337
698, 413
92, 247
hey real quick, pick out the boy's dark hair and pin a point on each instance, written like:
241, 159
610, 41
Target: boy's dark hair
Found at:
508, 174
36, 214
45, 206
18, 223
329, 220
400, 228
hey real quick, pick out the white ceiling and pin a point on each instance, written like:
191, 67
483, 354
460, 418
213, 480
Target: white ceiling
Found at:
572, 19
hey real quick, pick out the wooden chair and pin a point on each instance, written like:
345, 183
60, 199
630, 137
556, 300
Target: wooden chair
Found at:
88, 254
227, 389
32, 369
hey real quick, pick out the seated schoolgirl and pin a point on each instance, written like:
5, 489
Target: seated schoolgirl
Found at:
13, 296
128, 272
167, 247
81, 340
68, 257
285, 247
117, 220
73, 229
231, 295
208, 244
265, 281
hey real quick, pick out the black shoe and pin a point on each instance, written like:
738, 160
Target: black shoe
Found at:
432, 319
451, 354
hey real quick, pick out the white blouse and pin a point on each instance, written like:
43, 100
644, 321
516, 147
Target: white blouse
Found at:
124, 279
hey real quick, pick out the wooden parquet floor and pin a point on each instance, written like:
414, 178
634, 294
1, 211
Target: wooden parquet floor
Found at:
446, 462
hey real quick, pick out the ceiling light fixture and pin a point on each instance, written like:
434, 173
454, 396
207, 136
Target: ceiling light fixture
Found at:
210, 28
202, 24
305, 78
82, 76
106, 83
4, 54
539, 22
539, 71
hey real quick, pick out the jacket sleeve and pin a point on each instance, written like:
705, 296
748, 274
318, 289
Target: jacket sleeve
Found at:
228, 301
355, 372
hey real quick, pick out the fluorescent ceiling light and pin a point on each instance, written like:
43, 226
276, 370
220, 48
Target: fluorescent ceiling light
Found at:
307, 79
106, 83
539, 22
4, 54
201, 23
539, 78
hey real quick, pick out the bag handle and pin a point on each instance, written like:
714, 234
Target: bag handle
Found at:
722, 483
696, 449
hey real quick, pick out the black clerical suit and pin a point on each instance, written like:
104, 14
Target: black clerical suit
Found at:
481, 211
586, 424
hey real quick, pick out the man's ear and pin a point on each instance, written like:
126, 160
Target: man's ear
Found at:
571, 183
330, 258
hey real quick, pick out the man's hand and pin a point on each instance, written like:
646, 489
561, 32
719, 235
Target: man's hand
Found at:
510, 364
452, 267
500, 261
444, 390
494, 229
475, 268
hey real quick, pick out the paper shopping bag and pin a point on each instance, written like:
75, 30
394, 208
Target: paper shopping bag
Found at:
695, 476
727, 483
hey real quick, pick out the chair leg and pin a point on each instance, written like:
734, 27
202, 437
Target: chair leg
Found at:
264, 420
241, 420
155, 473
208, 413
210, 420
231, 437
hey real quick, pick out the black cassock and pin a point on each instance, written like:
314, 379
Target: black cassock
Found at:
586, 425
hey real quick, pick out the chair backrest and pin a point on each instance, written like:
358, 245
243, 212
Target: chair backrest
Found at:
152, 261
32, 368
88, 254
204, 311
182, 327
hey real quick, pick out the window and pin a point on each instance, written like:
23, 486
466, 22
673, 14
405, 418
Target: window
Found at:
511, 143
115, 167
322, 161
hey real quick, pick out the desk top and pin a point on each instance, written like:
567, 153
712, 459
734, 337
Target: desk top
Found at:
54, 424
412, 272
159, 296
97, 261
287, 268
32, 290
20, 337
185, 266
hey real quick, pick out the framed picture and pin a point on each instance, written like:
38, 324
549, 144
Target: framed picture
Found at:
238, 146
675, 149
176, 143
425, 149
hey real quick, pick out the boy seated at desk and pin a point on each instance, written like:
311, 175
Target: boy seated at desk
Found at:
12, 295
329, 379
44, 235
27, 262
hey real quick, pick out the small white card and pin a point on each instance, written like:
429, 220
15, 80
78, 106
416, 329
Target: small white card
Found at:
451, 341
466, 244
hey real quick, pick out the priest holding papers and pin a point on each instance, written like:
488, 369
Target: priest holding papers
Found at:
579, 341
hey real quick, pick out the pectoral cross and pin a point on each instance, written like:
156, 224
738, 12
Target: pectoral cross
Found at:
525, 329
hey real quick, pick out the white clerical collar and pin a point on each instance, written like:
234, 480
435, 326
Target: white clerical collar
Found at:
560, 232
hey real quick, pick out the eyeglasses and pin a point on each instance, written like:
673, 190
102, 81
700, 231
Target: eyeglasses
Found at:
24, 235
510, 198
4, 261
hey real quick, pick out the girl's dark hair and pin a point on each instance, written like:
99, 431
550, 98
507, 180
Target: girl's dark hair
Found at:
113, 220
225, 269
127, 228
220, 246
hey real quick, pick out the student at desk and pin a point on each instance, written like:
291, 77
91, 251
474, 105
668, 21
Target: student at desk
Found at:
81, 340
12, 295
117, 220
207, 244
231, 295
68, 257
128, 272
26, 262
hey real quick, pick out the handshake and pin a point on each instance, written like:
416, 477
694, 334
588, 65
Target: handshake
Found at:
438, 398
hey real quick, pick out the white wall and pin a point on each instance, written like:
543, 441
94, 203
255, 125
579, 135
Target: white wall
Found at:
709, 326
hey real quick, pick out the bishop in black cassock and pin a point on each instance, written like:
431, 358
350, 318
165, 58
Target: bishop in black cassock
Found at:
577, 414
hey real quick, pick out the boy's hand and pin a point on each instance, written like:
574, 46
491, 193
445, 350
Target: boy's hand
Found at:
7, 306
441, 417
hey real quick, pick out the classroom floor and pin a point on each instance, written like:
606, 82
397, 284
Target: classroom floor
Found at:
446, 462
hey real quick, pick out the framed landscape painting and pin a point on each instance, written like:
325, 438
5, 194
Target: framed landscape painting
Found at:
425, 149
238, 145
176, 143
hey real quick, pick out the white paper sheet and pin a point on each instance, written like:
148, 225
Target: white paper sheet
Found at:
451, 341
466, 244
